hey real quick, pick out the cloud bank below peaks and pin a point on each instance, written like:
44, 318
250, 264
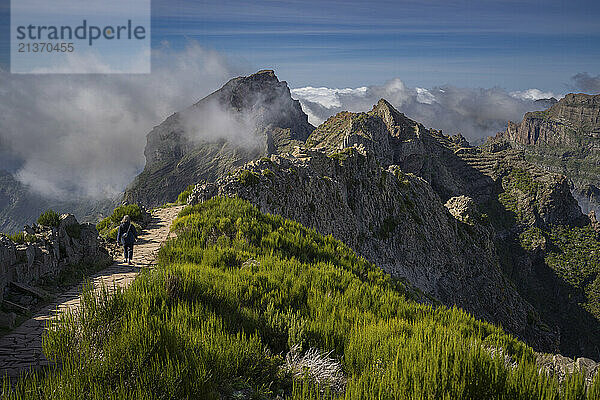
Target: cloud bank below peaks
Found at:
476, 113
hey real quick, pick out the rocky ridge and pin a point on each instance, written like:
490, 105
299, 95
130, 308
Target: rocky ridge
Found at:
338, 184
335, 179
393, 219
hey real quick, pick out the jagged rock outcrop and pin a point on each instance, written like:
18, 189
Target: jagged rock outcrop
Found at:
247, 118
395, 139
392, 218
45, 251
561, 366
464, 209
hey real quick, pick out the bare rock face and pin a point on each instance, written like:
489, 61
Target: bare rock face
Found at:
560, 366
247, 118
394, 220
48, 250
563, 124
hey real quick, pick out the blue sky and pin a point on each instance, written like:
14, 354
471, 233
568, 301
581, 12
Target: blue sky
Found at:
511, 44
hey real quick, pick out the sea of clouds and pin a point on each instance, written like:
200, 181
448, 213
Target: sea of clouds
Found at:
475, 113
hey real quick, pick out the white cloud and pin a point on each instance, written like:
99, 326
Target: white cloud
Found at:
328, 98
476, 113
84, 135
424, 96
533, 94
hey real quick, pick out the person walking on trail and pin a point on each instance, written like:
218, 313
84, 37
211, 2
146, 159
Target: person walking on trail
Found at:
127, 236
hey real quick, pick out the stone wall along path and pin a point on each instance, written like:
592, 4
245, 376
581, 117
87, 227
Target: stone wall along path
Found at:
21, 350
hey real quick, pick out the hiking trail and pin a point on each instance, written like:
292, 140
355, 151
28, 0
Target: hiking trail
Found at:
21, 349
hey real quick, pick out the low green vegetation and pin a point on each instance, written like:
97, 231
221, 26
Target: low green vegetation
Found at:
521, 180
238, 289
520, 190
49, 218
343, 154
22, 237
268, 173
572, 253
109, 226
575, 256
532, 239
248, 178
183, 196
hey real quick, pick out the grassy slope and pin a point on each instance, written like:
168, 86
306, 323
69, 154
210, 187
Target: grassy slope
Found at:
238, 288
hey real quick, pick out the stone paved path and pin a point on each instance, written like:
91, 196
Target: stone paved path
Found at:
21, 350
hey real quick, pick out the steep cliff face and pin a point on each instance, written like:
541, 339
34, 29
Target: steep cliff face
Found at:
247, 118
393, 219
574, 120
564, 139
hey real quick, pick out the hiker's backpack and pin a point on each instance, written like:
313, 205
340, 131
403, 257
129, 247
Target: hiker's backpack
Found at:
126, 237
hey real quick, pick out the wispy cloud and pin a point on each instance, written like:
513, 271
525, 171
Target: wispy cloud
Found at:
586, 83
84, 135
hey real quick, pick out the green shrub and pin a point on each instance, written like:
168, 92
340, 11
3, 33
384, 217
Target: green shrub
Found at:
183, 196
49, 218
22, 237
248, 178
268, 173
108, 224
237, 289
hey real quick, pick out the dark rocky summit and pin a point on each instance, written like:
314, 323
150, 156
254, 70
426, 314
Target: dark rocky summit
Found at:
247, 118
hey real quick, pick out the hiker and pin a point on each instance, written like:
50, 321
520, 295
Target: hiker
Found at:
126, 236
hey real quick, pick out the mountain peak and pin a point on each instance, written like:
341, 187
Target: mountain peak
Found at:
264, 74
250, 116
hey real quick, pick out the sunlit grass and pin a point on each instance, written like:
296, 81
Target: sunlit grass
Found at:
237, 289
